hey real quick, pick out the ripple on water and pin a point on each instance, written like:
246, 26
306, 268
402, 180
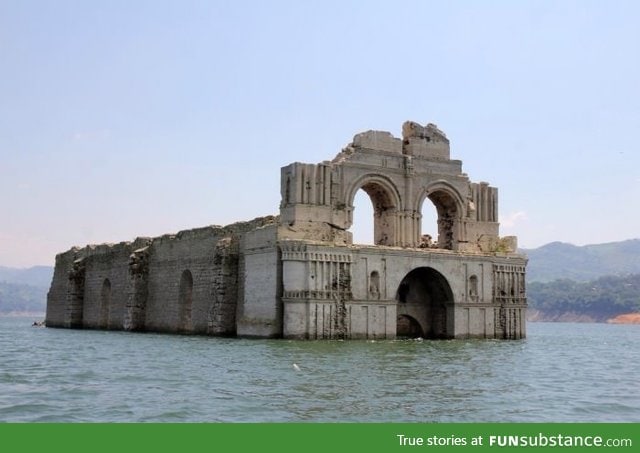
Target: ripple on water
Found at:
560, 373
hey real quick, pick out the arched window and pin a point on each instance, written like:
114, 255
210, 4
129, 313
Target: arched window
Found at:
185, 301
105, 304
287, 191
473, 288
374, 285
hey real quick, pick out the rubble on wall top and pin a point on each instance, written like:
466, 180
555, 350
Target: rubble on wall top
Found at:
378, 140
141, 242
427, 142
220, 230
411, 129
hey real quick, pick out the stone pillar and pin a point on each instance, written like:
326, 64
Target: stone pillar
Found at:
222, 313
75, 295
135, 308
410, 238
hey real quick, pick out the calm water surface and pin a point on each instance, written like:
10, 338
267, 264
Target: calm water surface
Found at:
560, 373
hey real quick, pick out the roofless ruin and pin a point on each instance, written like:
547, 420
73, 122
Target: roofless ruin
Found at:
299, 275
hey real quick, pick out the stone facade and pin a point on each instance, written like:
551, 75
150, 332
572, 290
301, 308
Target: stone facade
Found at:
299, 275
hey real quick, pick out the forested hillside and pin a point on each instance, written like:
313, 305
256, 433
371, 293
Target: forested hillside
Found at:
598, 300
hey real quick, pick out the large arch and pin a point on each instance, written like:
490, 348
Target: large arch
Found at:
450, 209
386, 202
423, 297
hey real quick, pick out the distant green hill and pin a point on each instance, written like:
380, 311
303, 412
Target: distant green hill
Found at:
24, 290
34, 276
21, 298
597, 300
559, 260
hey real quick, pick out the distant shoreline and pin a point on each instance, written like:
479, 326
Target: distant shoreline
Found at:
23, 314
628, 318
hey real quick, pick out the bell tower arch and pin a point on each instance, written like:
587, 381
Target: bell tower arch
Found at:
386, 202
450, 207
398, 175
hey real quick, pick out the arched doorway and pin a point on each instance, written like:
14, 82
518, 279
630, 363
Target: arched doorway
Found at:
408, 327
423, 296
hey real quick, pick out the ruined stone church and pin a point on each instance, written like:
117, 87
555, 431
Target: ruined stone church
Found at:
299, 275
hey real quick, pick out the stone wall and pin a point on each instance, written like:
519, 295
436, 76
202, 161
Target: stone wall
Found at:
106, 285
299, 275
183, 283
260, 289
57, 305
448, 294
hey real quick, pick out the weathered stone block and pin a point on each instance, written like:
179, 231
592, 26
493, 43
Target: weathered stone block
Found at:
379, 141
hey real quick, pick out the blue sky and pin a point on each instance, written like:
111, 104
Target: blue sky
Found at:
138, 118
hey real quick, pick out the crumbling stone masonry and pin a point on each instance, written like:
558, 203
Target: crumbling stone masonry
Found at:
299, 275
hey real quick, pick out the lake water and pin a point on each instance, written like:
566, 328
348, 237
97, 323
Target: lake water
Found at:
560, 373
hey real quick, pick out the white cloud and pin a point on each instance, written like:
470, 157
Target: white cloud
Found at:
91, 135
512, 219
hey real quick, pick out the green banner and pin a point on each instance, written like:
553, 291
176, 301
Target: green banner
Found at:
315, 437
